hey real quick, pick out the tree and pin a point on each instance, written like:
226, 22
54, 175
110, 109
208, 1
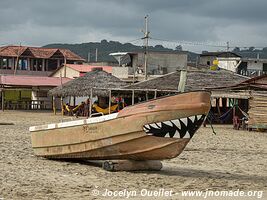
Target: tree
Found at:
179, 48
251, 48
236, 49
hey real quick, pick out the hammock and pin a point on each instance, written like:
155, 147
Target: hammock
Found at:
106, 110
224, 117
69, 108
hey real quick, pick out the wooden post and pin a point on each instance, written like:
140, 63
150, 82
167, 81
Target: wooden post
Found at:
62, 106
90, 106
146, 95
132, 97
109, 102
155, 94
132, 165
218, 106
3, 100
43, 65
54, 105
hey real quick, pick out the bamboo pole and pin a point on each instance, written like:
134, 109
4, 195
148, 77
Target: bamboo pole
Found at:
90, 103
132, 97
109, 102
62, 106
54, 105
3, 100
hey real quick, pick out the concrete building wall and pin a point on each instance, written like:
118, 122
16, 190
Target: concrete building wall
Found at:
122, 72
159, 63
70, 73
230, 64
255, 65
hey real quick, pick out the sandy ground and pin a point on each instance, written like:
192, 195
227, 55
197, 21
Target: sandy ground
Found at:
231, 160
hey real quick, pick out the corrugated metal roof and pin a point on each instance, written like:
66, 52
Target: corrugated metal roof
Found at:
32, 81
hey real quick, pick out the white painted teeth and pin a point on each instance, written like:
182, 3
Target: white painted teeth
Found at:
184, 120
168, 123
159, 124
147, 126
154, 126
192, 118
177, 134
198, 116
187, 135
163, 129
177, 123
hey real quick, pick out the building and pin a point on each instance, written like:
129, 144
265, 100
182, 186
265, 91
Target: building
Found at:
225, 60
34, 61
158, 63
254, 91
27, 92
74, 71
253, 67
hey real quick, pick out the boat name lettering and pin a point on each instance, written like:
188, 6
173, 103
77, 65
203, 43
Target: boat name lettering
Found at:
89, 129
151, 106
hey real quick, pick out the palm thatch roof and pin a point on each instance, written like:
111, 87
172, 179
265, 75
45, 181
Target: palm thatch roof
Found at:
196, 80
82, 86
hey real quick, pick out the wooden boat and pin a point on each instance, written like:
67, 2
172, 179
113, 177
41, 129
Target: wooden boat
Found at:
154, 130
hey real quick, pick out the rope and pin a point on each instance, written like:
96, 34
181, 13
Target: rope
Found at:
210, 122
243, 112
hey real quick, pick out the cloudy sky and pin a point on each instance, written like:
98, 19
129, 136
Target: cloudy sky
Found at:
193, 23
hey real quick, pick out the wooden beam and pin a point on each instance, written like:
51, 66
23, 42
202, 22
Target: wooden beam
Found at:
131, 165
109, 102
132, 97
54, 105
91, 99
62, 106
155, 94
3, 100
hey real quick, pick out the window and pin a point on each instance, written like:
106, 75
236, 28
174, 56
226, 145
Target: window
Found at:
264, 68
208, 62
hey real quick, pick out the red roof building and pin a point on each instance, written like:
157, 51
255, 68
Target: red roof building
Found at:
31, 81
36, 61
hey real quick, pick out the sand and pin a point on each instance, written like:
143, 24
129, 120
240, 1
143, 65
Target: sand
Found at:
231, 160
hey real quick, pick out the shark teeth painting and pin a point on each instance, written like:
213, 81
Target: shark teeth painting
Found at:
177, 128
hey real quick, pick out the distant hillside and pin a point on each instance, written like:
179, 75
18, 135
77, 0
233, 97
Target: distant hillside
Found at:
105, 48
251, 52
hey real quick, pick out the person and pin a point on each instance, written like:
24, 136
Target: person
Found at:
86, 108
80, 110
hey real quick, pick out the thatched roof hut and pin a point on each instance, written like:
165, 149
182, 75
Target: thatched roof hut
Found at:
196, 80
82, 86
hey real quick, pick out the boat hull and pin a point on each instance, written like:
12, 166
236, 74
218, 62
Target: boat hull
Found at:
154, 130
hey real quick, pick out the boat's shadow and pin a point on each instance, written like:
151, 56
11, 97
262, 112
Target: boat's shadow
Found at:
184, 172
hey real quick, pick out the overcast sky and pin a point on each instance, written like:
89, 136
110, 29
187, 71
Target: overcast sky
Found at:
40, 22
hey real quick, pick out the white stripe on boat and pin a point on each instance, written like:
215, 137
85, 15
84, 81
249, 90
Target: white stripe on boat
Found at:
74, 123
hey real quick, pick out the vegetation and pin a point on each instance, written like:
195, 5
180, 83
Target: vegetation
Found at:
105, 48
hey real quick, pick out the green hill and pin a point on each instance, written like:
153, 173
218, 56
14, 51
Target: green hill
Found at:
104, 48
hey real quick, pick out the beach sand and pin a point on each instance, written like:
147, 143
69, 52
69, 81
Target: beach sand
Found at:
231, 160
